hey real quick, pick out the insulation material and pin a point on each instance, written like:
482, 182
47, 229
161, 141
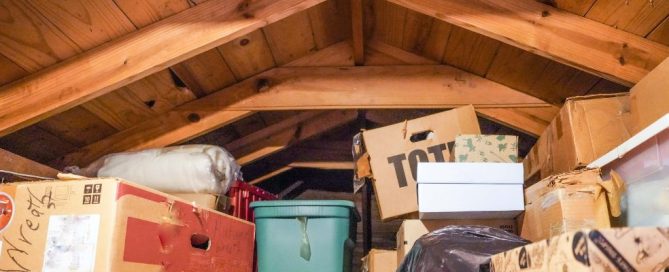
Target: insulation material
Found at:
179, 169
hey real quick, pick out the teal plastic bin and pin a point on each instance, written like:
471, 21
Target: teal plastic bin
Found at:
305, 235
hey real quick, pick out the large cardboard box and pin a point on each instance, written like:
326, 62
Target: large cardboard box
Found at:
585, 128
378, 260
113, 225
569, 202
649, 98
396, 150
486, 148
412, 229
473, 190
617, 249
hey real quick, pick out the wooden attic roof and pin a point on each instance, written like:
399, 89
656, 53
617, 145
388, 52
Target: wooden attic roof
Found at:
84, 78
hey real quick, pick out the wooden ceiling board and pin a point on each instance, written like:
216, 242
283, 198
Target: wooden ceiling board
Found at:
30, 40
205, 73
146, 12
389, 22
559, 81
636, 16
470, 51
9, 71
87, 23
290, 38
516, 68
331, 22
121, 108
77, 126
340, 54
579, 7
661, 33
36, 144
606, 86
247, 55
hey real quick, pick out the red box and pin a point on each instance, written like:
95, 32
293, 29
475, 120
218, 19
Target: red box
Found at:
242, 194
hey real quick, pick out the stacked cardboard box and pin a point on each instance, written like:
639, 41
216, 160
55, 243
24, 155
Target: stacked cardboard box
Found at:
617, 249
584, 129
114, 225
378, 260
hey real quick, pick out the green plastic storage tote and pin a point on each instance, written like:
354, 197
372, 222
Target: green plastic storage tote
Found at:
305, 235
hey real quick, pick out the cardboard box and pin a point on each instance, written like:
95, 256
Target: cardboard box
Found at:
412, 229
210, 201
113, 225
585, 128
395, 151
470, 190
379, 260
617, 249
569, 202
486, 148
649, 98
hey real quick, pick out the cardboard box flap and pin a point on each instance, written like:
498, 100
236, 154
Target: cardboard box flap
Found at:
470, 173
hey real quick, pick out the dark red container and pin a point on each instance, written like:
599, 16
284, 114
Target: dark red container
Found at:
241, 195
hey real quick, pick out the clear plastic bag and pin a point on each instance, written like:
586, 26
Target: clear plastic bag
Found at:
458, 248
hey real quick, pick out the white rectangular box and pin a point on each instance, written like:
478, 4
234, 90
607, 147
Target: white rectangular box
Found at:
470, 190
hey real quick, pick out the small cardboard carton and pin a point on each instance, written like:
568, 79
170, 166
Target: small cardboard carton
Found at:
568, 202
379, 260
412, 229
649, 98
470, 190
396, 150
486, 148
585, 128
114, 225
616, 249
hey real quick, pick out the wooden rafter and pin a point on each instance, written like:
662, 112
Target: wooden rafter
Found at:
315, 88
135, 56
280, 139
358, 32
555, 34
15, 163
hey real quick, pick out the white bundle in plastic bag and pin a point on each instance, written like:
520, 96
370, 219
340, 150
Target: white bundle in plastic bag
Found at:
178, 169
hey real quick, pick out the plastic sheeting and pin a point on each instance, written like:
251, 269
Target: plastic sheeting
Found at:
458, 248
178, 169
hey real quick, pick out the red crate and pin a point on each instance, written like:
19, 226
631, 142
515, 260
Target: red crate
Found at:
241, 195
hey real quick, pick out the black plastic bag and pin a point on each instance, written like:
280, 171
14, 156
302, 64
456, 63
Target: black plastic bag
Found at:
458, 248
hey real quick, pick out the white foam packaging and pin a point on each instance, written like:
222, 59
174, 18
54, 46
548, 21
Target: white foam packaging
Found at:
470, 190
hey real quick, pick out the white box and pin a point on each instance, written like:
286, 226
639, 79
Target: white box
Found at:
470, 190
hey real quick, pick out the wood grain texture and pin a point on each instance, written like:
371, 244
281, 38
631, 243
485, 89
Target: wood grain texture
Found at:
247, 55
339, 54
146, 12
15, 163
358, 31
661, 33
584, 44
290, 38
330, 22
77, 126
36, 144
87, 23
579, 7
205, 73
389, 22
134, 56
9, 71
470, 51
638, 17
45, 46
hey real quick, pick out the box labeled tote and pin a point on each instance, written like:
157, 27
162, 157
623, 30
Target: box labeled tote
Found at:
470, 190
396, 150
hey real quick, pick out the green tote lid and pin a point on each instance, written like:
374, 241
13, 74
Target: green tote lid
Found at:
291, 203
305, 208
